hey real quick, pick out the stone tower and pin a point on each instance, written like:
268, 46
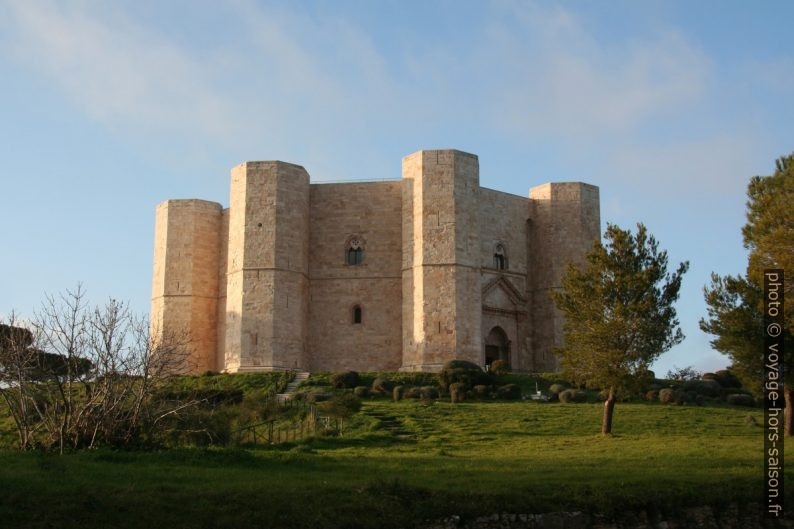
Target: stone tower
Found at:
442, 309
564, 224
267, 268
185, 279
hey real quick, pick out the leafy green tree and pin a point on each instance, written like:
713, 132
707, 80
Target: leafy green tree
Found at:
619, 314
735, 304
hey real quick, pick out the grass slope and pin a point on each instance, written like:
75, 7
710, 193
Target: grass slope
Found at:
400, 463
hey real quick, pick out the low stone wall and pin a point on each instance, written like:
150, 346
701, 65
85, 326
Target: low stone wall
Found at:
704, 517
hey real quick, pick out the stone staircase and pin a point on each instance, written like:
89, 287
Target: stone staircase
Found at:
292, 386
390, 423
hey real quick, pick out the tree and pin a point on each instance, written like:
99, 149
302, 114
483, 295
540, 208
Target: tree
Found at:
736, 304
619, 314
82, 377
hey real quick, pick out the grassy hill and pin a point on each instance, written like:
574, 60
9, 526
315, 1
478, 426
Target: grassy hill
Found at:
403, 462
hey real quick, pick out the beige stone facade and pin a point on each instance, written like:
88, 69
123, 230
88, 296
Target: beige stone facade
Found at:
387, 275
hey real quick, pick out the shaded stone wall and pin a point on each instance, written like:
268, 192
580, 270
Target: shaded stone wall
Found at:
565, 222
503, 220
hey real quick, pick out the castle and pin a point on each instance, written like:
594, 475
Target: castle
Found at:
388, 275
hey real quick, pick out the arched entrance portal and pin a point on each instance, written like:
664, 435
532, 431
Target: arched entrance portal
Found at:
497, 346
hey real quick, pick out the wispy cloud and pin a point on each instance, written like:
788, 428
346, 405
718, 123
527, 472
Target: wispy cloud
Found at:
317, 89
564, 82
119, 72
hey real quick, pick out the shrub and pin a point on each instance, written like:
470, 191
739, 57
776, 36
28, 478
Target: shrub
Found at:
316, 396
428, 392
341, 406
482, 392
382, 386
652, 395
556, 389
462, 372
740, 399
499, 367
572, 395
361, 392
412, 393
509, 392
727, 379
347, 379
667, 395
457, 392
709, 388
397, 393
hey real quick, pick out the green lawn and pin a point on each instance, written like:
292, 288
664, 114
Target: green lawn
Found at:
403, 462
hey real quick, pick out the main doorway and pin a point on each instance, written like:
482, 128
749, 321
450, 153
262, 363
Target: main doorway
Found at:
497, 346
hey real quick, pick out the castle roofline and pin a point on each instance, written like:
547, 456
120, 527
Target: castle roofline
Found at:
454, 151
269, 162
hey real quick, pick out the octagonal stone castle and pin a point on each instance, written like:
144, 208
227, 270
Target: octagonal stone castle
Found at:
371, 276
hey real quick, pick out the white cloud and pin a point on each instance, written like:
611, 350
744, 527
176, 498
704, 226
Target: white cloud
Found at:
315, 89
564, 82
120, 73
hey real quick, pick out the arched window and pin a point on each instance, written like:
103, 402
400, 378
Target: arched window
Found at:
354, 254
500, 257
357, 314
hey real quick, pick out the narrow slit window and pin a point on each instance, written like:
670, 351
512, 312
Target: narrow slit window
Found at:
500, 257
356, 314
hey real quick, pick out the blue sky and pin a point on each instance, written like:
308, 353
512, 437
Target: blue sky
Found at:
107, 108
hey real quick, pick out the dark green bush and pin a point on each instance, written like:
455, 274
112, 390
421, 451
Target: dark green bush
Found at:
709, 388
572, 395
499, 368
361, 392
382, 386
482, 392
457, 392
462, 372
740, 399
508, 392
347, 379
727, 379
428, 392
398, 392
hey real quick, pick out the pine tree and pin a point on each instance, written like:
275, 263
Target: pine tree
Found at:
619, 314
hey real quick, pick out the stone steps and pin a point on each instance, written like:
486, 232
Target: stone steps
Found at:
292, 386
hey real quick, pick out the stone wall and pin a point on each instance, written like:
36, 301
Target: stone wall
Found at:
441, 259
264, 284
565, 222
267, 275
185, 278
372, 213
503, 220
